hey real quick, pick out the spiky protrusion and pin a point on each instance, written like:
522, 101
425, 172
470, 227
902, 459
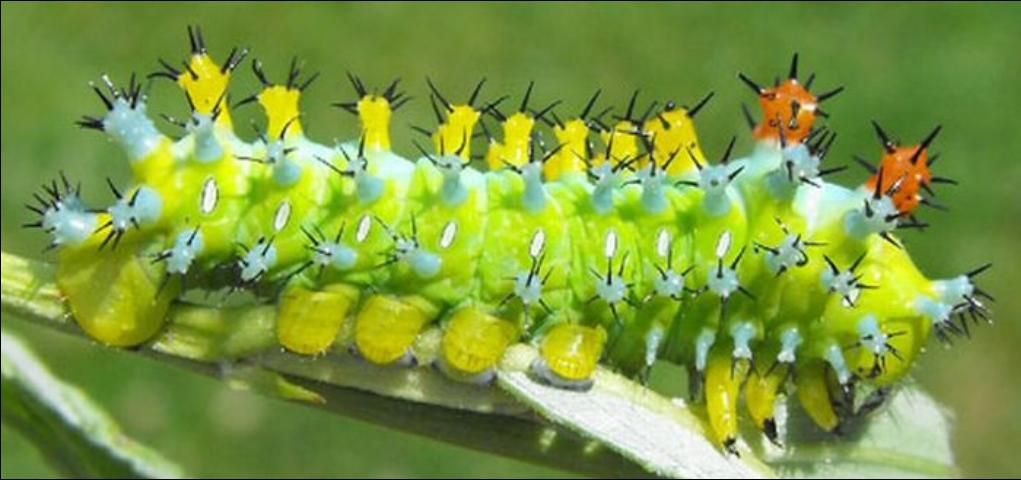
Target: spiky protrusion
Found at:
789, 109
904, 172
62, 214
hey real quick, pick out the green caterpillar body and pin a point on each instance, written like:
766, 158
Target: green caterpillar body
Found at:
754, 273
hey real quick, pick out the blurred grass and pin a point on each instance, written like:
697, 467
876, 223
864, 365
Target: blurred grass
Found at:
908, 67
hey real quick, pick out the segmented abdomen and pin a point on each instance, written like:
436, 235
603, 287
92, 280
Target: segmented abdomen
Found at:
750, 269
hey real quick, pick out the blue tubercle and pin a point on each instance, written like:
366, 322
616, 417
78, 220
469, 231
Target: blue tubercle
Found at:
188, 245
207, 146
141, 208
69, 221
132, 128
534, 198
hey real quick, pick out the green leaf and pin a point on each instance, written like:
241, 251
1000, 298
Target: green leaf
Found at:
618, 428
72, 432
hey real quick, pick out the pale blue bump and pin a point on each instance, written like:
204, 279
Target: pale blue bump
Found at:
534, 199
145, 209
528, 288
613, 291
69, 223
602, 199
955, 290
258, 261
716, 205
835, 357
871, 336
148, 205
859, 225
938, 312
790, 340
723, 282
787, 255
453, 192
669, 285
425, 264
336, 255
714, 181
742, 333
120, 214
654, 199
703, 342
779, 186
766, 157
131, 128
606, 182
802, 165
653, 340
369, 188
207, 146
188, 245
345, 257
286, 172
653, 196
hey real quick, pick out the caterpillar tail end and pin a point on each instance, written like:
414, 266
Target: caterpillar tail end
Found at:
117, 296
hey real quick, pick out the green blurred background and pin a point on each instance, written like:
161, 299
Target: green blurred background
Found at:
909, 67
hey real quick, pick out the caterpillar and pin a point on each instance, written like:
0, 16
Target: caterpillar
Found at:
600, 239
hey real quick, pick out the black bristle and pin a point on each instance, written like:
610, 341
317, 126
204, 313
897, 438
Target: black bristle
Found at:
751, 84
701, 103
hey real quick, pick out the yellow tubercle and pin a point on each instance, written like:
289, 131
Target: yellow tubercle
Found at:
455, 135
208, 87
516, 145
573, 141
674, 131
622, 144
386, 327
572, 351
282, 110
374, 113
724, 376
308, 321
814, 394
474, 341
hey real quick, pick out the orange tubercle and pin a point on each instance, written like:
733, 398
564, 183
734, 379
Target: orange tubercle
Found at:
789, 106
900, 165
